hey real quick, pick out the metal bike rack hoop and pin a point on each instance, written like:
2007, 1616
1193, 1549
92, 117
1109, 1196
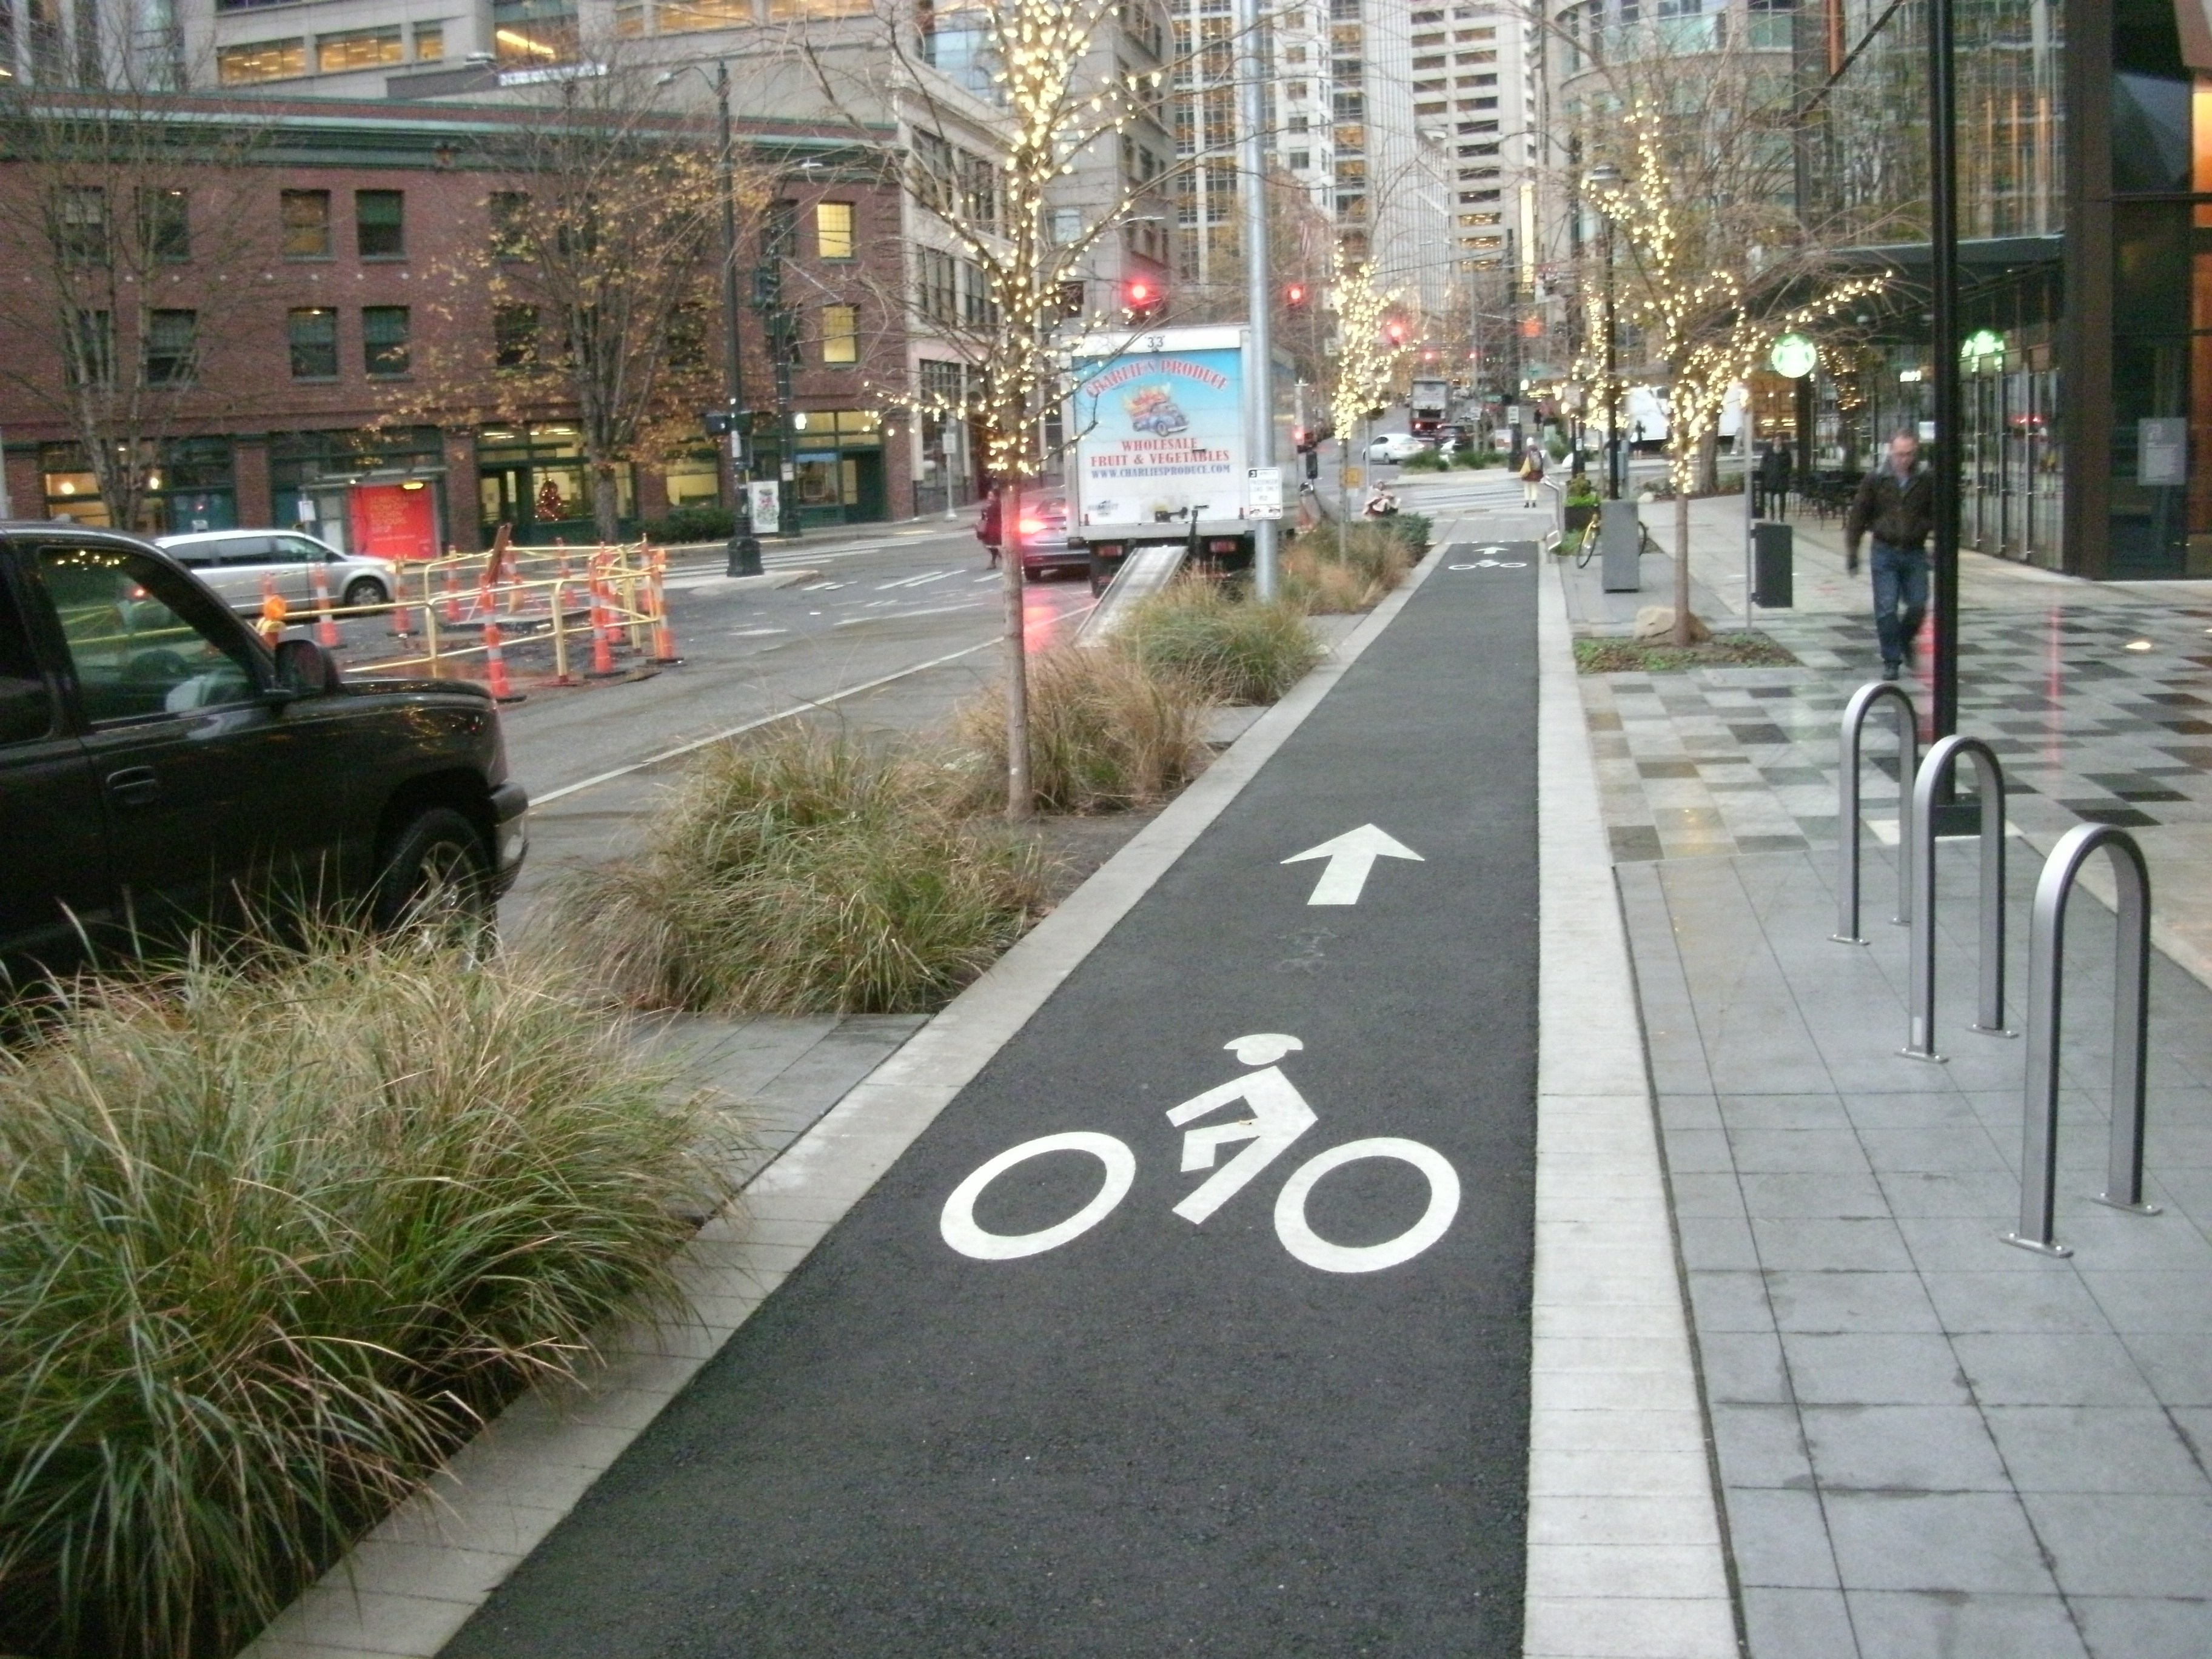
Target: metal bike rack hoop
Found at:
1943, 761
1907, 719
2047, 961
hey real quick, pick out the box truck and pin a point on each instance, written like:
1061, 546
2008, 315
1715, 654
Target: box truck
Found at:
1156, 451
1428, 408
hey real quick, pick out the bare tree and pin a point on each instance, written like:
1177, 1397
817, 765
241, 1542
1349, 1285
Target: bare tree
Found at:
1696, 172
129, 234
594, 297
1000, 272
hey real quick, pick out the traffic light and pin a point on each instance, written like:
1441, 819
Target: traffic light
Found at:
1295, 296
1394, 330
1143, 298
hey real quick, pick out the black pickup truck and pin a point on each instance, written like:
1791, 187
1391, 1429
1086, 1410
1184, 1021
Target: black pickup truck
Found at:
161, 769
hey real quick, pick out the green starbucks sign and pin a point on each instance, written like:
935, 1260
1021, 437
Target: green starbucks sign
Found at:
1794, 356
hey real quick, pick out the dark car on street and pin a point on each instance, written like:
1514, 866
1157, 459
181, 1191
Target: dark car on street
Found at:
162, 770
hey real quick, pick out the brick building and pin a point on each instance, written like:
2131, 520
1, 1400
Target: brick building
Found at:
304, 289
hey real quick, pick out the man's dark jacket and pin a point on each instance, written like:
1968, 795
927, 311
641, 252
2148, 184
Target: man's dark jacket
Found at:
1899, 511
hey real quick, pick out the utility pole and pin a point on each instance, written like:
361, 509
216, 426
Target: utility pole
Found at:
1260, 369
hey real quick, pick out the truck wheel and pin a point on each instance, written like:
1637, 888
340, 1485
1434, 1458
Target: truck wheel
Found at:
437, 879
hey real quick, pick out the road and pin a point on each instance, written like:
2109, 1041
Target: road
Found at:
1285, 1418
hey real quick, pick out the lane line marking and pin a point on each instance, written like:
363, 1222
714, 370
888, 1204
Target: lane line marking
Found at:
595, 781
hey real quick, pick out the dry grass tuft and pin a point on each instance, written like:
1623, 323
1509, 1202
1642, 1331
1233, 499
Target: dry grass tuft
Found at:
1106, 733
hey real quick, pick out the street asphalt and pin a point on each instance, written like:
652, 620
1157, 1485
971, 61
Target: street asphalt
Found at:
1233, 1436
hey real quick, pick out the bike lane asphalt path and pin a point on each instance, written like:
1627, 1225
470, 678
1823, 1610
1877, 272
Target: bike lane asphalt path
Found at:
1230, 1435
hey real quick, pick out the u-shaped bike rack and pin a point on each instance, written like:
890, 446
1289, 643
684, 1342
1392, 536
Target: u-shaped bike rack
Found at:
1988, 777
2039, 1160
1847, 803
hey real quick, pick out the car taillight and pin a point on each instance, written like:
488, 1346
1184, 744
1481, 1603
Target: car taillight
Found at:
1030, 527
1221, 547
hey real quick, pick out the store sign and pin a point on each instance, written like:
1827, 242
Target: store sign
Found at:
2162, 451
1793, 356
394, 521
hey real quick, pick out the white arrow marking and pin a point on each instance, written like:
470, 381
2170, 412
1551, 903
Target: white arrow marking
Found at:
1351, 856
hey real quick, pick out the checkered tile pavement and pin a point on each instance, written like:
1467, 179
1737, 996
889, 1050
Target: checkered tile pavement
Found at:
2098, 714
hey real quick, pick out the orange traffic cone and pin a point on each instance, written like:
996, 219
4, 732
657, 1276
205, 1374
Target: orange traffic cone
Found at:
403, 617
327, 625
603, 643
503, 689
273, 609
664, 637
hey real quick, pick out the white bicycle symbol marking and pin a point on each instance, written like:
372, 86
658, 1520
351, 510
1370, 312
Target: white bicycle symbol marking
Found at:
1279, 1115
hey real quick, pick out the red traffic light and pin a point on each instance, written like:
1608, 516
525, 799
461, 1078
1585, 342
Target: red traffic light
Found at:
1294, 296
1395, 332
1143, 296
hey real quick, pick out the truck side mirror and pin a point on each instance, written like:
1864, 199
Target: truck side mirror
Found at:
305, 669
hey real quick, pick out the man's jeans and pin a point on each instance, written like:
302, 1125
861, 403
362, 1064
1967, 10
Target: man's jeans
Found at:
1899, 574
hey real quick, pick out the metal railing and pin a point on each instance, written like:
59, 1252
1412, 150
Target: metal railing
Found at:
2046, 962
1847, 804
1927, 783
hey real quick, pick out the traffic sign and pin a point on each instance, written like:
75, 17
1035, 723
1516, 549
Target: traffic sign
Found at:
1263, 492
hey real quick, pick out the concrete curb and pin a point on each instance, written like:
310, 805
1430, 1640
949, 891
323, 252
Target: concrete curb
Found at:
414, 1581
1625, 1547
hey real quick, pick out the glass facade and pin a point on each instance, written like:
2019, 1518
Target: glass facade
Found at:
2084, 136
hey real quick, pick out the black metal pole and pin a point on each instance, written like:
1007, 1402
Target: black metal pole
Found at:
1943, 237
744, 546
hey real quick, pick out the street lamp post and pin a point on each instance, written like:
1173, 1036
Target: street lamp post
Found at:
1943, 344
744, 558
1606, 177
744, 546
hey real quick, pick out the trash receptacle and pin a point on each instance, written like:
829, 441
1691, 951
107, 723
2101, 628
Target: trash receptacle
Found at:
1773, 563
1620, 544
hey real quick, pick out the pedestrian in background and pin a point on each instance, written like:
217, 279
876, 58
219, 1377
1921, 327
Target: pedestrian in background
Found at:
990, 528
1532, 476
1896, 504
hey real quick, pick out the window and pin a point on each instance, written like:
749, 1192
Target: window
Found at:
384, 339
1066, 225
166, 224
306, 219
82, 229
1301, 159
978, 309
260, 60
172, 347
533, 34
510, 224
430, 43
979, 191
932, 159
833, 230
89, 348
358, 49
841, 334
380, 223
165, 662
313, 333
937, 297
514, 336
26, 702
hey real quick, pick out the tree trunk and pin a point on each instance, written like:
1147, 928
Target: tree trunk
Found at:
1681, 564
1709, 464
607, 503
1021, 799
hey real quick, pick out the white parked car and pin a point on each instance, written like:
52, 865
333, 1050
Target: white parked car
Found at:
1396, 447
233, 562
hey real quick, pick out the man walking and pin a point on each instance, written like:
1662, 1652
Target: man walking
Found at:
1531, 477
1896, 503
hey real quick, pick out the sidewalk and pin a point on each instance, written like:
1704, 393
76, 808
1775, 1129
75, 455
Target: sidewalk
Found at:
1930, 1443
2096, 696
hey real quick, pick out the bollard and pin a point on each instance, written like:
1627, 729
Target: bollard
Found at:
1988, 777
327, 625
664, 637
1847, 804
2046, 963
561, 674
